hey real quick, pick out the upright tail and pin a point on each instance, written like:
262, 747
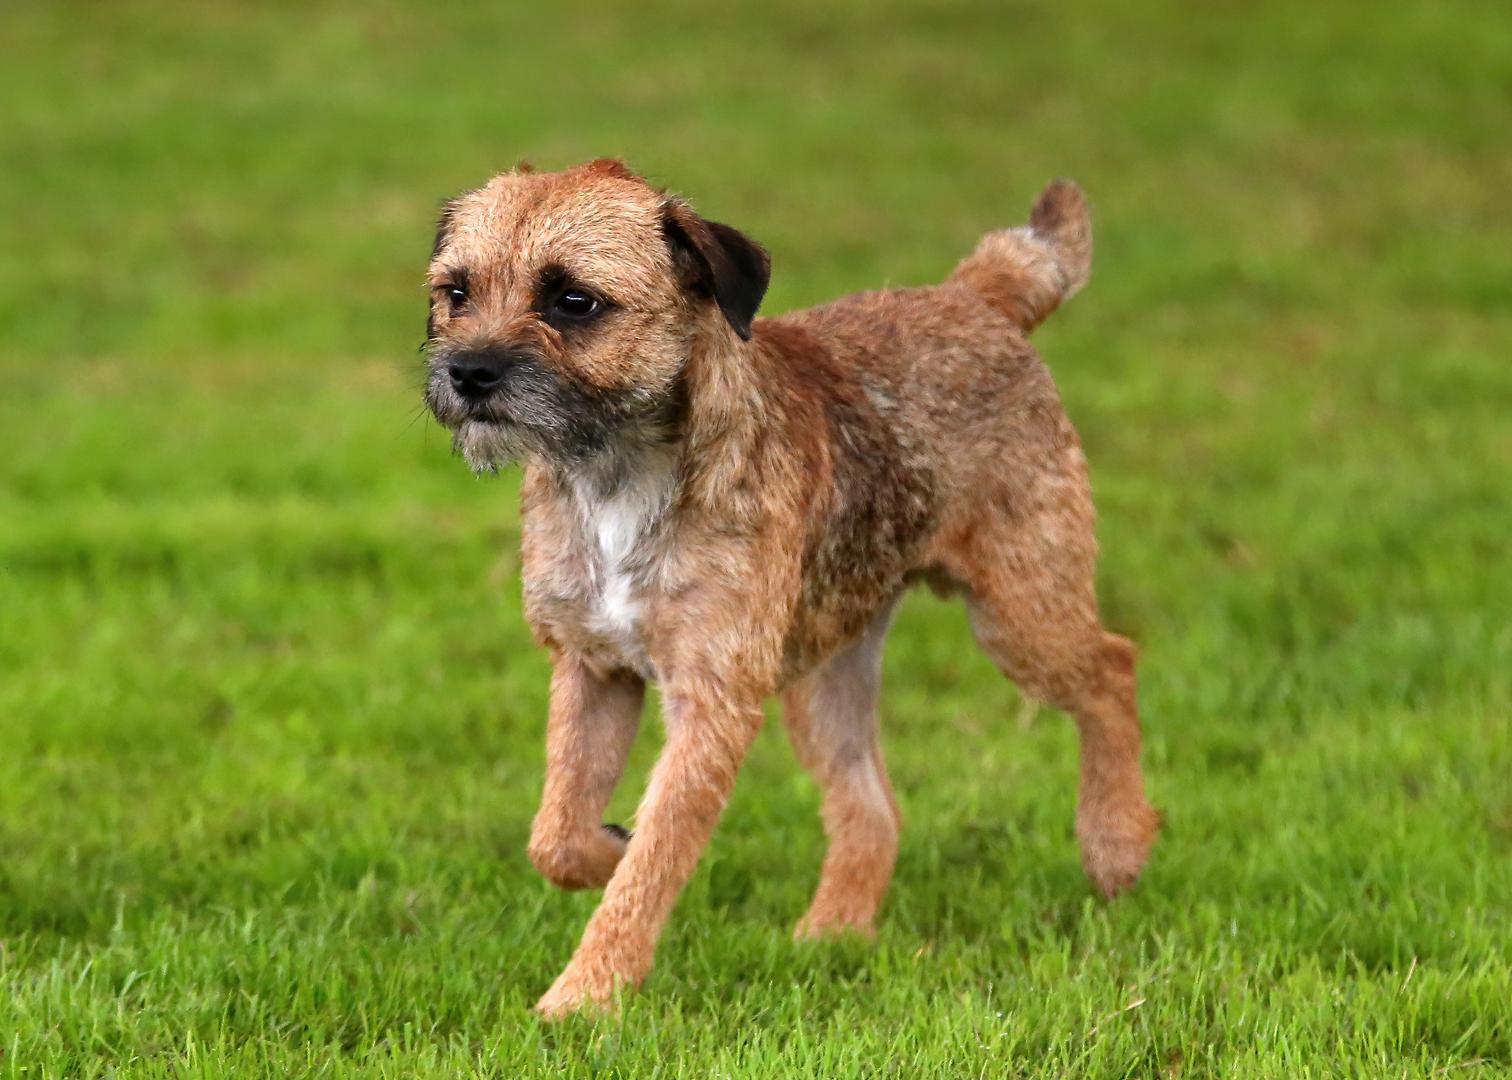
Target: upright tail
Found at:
1027, 271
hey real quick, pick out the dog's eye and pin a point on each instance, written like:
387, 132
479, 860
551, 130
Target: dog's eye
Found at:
456, 296
576, 304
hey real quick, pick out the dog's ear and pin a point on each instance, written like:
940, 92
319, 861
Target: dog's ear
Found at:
443, 233
444, 223
611, 167
716, 260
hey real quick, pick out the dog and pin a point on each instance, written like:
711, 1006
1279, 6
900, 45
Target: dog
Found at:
732, 506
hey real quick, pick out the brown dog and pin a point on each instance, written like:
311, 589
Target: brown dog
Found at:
733, 507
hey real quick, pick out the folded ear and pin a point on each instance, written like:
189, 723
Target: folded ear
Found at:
444, 224
443, 235
716, 260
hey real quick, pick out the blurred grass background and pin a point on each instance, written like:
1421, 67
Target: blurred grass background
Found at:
271, 721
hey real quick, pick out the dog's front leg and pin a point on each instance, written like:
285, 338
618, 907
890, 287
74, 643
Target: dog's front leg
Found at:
709, 729
589, 730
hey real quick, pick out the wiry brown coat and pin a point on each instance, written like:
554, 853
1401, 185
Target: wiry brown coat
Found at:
732, 507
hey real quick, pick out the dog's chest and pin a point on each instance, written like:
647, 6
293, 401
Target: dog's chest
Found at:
620, 537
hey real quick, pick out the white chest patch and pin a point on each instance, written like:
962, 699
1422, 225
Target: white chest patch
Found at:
621, 529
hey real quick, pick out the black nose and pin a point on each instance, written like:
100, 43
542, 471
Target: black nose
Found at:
477, 375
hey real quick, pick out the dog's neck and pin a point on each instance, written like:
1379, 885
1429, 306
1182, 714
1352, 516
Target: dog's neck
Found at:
619, 465
718, 417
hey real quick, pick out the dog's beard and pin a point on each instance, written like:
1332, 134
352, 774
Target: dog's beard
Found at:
538, 415
489, 445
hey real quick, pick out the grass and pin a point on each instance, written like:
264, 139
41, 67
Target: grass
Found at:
271, 721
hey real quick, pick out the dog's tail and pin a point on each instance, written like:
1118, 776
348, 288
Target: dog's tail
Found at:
1026, 272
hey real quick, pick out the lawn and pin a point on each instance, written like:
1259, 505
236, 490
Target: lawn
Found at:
271, 722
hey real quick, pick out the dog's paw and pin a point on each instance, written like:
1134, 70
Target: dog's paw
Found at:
578, 992
1113, 859
822, 925
586, 862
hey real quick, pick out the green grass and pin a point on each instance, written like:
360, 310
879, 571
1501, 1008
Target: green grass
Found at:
270, 722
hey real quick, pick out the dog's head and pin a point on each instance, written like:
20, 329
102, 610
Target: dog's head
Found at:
564, 307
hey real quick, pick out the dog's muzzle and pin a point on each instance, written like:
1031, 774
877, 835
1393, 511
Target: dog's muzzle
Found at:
502, 402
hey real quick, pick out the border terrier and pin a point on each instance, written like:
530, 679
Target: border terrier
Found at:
732, 506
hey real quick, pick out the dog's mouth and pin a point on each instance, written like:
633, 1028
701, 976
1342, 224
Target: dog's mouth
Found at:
489, 411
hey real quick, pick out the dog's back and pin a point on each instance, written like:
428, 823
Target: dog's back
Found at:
953, 360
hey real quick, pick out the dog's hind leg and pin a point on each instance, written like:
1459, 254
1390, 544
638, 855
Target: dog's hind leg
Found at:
831, 717
1027, 567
